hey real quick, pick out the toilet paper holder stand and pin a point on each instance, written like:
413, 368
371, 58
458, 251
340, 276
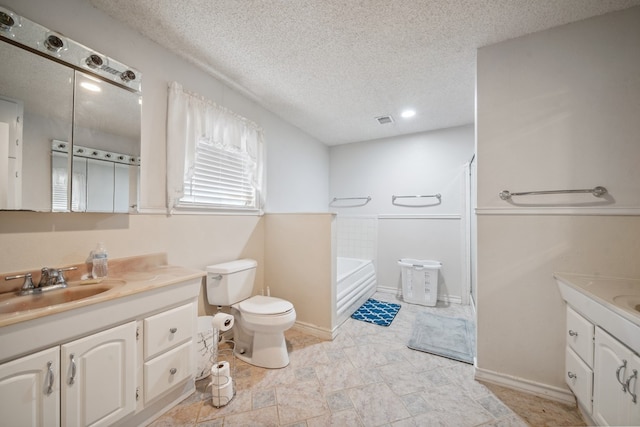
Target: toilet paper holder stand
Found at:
223, 369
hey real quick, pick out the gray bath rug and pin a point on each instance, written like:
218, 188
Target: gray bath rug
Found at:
450, 337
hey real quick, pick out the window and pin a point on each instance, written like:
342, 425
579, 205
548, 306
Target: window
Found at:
220, 178
214, 156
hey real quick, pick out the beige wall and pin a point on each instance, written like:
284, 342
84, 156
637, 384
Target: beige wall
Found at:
295, 252
300, 266
29, 241
555, 110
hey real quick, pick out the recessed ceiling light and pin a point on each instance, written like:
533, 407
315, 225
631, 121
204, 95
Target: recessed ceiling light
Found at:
408, 113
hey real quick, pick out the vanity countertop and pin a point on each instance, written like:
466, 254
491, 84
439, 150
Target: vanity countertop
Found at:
612, 292
608, 302
129, 276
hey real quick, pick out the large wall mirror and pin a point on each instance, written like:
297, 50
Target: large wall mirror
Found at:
69, 124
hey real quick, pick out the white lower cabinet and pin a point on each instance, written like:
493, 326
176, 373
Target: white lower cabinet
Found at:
616, 371
99, 377
30, 390
114, 365
88, 382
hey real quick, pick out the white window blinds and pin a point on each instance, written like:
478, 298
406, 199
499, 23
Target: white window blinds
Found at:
220, 178
214, 156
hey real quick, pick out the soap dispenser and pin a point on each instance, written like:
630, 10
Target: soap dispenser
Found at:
99, 257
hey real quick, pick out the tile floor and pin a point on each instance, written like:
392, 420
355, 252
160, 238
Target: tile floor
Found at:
367, 377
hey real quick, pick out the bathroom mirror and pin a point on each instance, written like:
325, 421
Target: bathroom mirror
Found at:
69, 124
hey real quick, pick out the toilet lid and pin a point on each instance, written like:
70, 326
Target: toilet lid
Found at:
260, 304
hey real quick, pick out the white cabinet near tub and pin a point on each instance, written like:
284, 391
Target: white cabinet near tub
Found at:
615, 398
602, 364
30, 390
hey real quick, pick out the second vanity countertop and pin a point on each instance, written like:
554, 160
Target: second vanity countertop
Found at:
129, 277
608, 302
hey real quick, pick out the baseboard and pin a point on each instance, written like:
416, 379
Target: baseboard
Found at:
397, 292
314, 330
537, 389
388, 290
160, 406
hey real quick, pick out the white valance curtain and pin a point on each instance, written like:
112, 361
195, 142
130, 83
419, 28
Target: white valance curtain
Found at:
194, 122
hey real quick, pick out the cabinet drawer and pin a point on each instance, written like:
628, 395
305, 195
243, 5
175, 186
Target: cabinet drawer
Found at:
579, 336
167, 370
579, 377
166, 330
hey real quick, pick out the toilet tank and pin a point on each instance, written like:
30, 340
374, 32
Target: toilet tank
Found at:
230, 282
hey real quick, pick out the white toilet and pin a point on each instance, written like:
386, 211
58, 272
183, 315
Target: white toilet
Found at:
260, 321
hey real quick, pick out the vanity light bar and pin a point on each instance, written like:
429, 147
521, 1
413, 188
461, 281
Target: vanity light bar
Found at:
29, 35
92, 153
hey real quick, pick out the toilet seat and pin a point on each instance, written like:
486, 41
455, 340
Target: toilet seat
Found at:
264, 306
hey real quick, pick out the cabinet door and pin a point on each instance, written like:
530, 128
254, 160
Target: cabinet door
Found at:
99, 377
29, 390
611, 369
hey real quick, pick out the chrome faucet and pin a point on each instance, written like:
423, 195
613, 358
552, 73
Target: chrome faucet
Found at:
50, 278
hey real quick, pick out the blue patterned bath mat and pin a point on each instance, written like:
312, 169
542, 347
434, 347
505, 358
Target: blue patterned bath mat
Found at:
377, 312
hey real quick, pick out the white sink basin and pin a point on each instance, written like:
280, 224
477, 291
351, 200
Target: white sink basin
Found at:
629, 302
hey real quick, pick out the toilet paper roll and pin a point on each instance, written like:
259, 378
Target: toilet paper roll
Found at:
223, 321
220, 373
221, 395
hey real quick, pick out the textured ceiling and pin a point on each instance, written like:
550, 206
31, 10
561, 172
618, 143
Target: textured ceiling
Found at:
331, 66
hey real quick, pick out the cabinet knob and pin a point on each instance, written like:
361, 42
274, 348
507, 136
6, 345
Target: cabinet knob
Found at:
172, 371
573, 333
173, 330
571, 375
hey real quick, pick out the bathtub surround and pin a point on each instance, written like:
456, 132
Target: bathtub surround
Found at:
357, 236
356, 282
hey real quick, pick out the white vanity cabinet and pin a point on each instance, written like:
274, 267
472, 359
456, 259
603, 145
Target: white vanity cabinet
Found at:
99, 377
90, 381
601, 372
117, 363
30, 390
616, 386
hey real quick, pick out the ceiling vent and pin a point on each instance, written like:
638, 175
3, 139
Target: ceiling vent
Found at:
383, 120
